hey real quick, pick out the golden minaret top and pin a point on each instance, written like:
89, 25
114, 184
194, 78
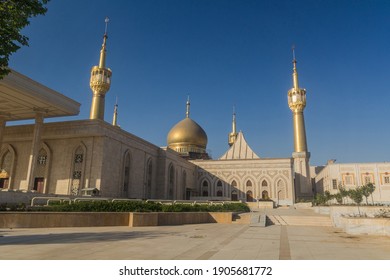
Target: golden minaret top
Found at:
100, 81
188, 107
296, 95
115, 115
297, 103
233, 134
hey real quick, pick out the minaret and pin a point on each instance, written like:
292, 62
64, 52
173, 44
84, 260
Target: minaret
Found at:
297, 103
100, 82
233, 135
115, 116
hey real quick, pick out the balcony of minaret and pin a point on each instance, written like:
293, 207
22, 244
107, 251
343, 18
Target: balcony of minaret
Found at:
100, 80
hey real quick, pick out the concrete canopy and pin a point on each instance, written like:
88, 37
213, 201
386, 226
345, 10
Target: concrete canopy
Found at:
21, 98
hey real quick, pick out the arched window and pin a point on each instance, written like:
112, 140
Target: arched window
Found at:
77, 170
219, 188
7, 162
234, 183
171, 181
5, 169
264, 195
205, 188
184, 185
184, 179
249, 183
281, 190
264, 183
249, 196
149, 179
126, 172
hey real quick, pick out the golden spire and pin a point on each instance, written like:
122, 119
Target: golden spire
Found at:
188, 107
115, 116
295, 72
297, 103
233, 134
102, 60
100, 82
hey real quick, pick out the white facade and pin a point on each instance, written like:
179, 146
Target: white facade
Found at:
247, 180
352, 175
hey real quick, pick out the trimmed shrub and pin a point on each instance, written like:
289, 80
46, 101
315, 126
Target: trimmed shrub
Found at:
140, 206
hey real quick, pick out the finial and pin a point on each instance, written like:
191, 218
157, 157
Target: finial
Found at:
295, 72
234, 120
293, 51
102, 61
188, 107
106, 20
115, 116
233, 135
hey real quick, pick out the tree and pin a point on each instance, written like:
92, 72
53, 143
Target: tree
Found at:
371, 189
14, 16
328, 196
322, 199
338, 197
357, 196
343, 192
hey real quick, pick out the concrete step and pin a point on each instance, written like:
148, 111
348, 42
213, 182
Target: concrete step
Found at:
258, 220
324, 221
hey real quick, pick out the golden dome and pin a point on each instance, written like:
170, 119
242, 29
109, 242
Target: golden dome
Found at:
187, 133
188, 138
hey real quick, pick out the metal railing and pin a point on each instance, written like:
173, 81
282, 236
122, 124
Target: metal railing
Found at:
48, 199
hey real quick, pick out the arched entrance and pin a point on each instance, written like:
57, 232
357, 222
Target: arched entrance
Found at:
249, 196
264, 195
234, 196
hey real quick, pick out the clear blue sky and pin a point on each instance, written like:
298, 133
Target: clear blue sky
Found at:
226, 52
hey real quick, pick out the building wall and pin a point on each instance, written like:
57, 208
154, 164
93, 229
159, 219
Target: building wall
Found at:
275, 176
103, 150
352, 175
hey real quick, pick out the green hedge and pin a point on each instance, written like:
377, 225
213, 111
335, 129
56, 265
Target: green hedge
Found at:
140, 206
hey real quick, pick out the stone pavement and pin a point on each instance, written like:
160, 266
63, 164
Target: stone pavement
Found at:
199, 241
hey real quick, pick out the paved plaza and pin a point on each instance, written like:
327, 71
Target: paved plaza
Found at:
194, 242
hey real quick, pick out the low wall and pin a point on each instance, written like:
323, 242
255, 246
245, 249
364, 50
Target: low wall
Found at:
261, 204
303, 205
337, 212
243, 218
99, 219
61, 219
373, 226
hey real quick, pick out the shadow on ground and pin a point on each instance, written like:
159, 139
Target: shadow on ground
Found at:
78, 237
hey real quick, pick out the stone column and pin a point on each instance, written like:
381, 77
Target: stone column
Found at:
36, 143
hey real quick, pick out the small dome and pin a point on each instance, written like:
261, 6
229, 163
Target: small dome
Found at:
187, 133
